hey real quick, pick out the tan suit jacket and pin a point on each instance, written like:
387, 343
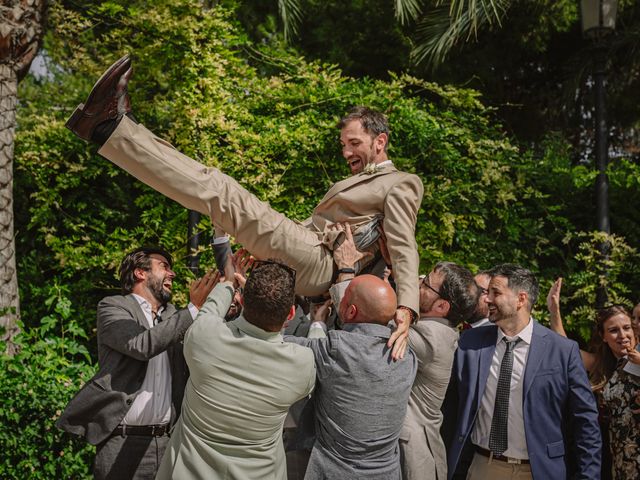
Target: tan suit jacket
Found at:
396, 195
434, 341
243, 381
267, 233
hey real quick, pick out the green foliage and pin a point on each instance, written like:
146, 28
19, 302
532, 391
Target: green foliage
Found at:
596, 270
266, 117
35, 386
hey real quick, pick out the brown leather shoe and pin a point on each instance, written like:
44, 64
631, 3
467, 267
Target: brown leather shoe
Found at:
108, 100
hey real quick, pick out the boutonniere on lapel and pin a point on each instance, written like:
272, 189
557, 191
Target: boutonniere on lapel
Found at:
371, 168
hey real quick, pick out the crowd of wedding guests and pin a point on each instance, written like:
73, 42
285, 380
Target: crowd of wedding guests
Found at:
385, 376
253, 381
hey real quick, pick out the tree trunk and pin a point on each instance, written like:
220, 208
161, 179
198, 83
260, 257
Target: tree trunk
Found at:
21, 27
9, 301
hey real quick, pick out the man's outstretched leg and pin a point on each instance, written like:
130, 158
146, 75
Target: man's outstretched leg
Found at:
104, 119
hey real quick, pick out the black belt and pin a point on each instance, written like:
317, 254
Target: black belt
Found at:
143, 430
502, 458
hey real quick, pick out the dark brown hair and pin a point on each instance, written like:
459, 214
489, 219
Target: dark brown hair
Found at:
372, 121
605, 363
139, 258
459, 289
269, 295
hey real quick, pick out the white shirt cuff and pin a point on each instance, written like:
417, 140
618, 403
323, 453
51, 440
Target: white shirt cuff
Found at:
193, 310
220, 240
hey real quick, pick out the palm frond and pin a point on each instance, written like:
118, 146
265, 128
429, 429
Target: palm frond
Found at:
407, 10
451, 23
290, 12
479, 12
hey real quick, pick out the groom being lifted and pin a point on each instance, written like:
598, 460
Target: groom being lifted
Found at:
376, 192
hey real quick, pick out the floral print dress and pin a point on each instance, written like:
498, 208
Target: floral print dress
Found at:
622, 395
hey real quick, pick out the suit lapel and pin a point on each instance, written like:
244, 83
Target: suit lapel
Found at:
356, 179
537, 352
138, 314
486, 356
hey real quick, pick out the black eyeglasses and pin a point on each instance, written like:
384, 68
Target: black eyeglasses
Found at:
425, 282
287, 268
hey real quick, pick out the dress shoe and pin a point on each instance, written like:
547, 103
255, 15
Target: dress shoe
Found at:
108, 100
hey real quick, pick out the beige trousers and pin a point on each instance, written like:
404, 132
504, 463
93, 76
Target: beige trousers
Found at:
259, 228
483, 468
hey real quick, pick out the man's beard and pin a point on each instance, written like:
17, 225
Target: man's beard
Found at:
154, 284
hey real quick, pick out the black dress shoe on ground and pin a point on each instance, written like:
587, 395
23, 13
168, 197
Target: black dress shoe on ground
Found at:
108, 100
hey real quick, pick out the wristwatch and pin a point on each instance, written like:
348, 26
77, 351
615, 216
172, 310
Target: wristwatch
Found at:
346, 270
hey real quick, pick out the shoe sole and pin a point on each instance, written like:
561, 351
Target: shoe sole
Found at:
79, 112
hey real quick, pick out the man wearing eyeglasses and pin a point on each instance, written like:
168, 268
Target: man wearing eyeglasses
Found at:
377, 193
243, 379
448, 296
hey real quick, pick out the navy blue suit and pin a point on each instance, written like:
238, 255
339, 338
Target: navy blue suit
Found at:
559, 409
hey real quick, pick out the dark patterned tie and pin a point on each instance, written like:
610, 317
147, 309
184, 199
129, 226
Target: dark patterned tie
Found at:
498, 436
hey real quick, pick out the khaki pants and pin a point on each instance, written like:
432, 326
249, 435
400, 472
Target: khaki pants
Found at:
260, 229
483, 468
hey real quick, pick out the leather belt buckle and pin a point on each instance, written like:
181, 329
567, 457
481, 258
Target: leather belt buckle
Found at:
501, 458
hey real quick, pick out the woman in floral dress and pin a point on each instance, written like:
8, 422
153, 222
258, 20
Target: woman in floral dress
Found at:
621, 393
617, 391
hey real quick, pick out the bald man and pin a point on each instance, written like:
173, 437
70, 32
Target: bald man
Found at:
361, 393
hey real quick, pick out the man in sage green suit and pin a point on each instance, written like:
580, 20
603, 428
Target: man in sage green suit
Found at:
243, 379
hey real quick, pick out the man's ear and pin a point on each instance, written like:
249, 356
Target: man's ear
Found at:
352, 312
523, 299
292, 313
381, 142
444, 307
139, 274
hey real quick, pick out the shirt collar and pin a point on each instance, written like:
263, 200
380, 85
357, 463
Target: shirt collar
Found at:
371, 329
256, 332
524, 335
443, 321
385, 163
145, 305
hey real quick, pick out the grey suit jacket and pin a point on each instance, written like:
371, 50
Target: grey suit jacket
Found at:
360, 400
125, 344
434, 342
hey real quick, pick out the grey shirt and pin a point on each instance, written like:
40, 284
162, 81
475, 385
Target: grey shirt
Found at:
361, 400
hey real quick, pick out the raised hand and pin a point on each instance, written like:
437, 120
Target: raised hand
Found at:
201, 287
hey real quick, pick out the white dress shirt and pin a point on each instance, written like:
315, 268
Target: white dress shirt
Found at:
517, 442
152, 405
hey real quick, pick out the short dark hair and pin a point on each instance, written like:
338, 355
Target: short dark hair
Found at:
373, 121
518, 278
269, 295
459, 289
139, 258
